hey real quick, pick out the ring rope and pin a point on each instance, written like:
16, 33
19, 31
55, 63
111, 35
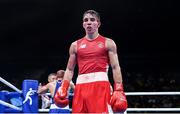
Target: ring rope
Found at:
141, 93
152, 93
141, 109
70, 94
10, 85
10, 105
135, 109
153, 109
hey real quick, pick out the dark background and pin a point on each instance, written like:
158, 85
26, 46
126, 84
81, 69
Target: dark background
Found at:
35, 36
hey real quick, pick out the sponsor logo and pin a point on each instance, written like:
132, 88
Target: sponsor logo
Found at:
82, 46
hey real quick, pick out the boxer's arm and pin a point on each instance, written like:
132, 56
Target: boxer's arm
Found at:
71, 62
43, 89
114, 62
60, 96
118, 99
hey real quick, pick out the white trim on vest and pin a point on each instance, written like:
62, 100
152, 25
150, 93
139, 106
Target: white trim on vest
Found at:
92, 77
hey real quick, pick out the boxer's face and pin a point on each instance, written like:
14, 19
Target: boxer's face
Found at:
90, 23
59, 78
52, 78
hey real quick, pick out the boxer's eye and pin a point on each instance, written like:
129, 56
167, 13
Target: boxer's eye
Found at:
92, 19
85, 20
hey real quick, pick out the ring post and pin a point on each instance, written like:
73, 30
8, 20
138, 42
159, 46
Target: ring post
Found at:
30, 102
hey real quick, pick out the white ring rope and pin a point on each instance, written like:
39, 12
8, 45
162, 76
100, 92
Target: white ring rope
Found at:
47, 110
140, 93
70, 94
153, 109
43, 110
10, 105
141, 109
10, 85
135, 109
152, 93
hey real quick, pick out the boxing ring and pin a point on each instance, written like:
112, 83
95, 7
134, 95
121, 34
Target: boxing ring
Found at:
25, 101
29, 90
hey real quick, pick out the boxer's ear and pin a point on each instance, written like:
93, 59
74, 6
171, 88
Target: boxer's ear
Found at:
99, 23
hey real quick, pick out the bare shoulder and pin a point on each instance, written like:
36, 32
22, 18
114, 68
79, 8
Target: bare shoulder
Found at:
110, 44
73, 47
74, 43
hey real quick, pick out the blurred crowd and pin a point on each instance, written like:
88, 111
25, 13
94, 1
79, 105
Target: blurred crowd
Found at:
152, 82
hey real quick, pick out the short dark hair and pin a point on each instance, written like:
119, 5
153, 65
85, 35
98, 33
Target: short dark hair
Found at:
51, 74
92, 12
60, 73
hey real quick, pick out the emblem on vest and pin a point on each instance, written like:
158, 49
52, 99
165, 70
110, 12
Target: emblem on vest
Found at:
100, 45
